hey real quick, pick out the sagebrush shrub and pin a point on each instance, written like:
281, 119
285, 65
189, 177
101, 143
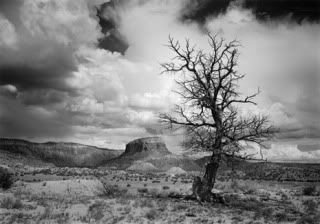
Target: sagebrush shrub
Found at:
113, 191
165, 187
96, 210
281, 216
6, 178
309, 219
142, 190
310, 206
310, 190
151, 214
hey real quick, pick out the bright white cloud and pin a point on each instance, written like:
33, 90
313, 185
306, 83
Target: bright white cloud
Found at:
286, 151
68, 21
8, 36
154, 101
9, 88
116, 98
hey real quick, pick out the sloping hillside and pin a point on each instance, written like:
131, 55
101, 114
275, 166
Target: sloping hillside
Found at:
59, 153
258, 170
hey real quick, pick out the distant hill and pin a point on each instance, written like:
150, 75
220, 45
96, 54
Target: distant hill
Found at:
259, 170
148, 155
59, 153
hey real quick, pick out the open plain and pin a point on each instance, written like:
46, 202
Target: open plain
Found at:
142, 192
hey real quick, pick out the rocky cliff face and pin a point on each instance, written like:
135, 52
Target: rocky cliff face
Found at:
151, 150
147, 146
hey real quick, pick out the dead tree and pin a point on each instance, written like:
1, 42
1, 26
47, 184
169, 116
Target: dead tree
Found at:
208, 87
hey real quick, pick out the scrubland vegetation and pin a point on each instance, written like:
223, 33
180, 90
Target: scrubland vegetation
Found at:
156, 190
82, 195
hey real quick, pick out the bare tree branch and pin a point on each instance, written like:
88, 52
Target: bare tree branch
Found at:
207, 83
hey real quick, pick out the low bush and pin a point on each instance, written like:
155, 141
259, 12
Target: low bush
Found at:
310, 190
281, 217
309, 219
96, 210
266, 213
154, 193
310, 206
6, 178
151, 214
142, 190
113, 191
165, 187
47, 213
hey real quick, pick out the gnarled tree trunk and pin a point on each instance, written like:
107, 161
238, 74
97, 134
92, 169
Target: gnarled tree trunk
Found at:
202, 187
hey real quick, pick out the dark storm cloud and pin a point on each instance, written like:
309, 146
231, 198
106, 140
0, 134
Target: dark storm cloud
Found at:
264, 10
113, 42
9, 9
28, 77
200, 10
48, 85
40, 65
108, 20
42, 97
20, 121
276, 9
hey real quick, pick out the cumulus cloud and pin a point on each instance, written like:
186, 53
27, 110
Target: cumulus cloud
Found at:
153, 101
287, 75
88, 71
8, 36
70, 22
8, 90
286, 151
37, 52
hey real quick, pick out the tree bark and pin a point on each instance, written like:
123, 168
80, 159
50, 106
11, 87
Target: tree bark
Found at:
202, 187
209, 177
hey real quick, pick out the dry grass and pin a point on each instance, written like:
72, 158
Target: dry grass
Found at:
112, 191
133, 198
96, 210
309, 219
10, 202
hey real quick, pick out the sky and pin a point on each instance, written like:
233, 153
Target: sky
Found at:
89, 71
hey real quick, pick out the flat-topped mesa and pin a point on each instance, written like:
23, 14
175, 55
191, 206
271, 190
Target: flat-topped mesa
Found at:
147, 146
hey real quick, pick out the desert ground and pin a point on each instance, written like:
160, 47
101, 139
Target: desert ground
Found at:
82, 195
42, 192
